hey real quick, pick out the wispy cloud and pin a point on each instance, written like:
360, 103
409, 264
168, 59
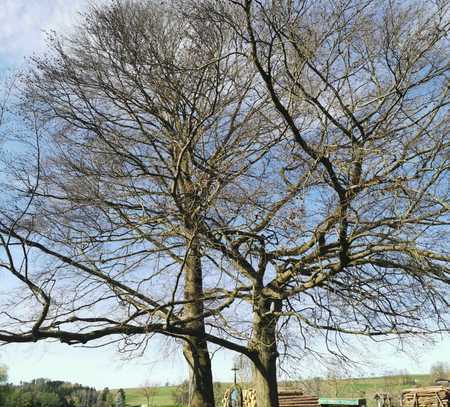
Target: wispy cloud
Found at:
23, 24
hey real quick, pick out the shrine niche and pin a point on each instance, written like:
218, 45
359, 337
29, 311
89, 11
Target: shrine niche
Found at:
234, 397
286, 397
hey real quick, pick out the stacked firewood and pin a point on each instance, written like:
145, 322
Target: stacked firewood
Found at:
434, 396
296, 398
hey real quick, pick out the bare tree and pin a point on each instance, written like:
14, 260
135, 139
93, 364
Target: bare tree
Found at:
256, 174
439, 371
150, 390
144, 125
358, 243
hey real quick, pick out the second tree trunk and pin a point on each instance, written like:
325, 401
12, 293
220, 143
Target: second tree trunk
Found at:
264, 346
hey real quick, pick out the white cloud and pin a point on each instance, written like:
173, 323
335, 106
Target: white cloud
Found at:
23, 24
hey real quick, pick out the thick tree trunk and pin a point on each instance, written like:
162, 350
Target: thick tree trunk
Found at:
196, 348
202, 391
264, 345
265, 379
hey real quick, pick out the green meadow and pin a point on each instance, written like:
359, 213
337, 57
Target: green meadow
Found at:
162, 397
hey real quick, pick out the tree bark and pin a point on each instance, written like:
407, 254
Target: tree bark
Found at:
196, 348
264, 345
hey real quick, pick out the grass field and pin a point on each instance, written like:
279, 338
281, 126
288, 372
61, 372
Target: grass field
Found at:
343, 388
162, 398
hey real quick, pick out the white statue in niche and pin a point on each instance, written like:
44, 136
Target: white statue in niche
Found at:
235, 397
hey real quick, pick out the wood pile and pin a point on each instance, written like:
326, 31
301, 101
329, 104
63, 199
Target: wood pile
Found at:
296, 398
433, 396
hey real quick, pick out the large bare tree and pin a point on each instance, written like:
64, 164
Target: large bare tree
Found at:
142, 121
267, 170
355, 240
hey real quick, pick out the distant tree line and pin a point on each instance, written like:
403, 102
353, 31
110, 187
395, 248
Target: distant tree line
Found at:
49, 393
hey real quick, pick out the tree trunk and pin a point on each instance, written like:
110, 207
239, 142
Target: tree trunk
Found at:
264, 345
202, 391
265, 379
196, 348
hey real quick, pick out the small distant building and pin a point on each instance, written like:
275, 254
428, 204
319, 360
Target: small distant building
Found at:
328, 402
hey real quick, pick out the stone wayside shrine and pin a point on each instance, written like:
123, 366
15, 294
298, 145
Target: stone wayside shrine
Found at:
286, 398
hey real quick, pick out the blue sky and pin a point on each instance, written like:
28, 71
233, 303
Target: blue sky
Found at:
22, 32
23, 22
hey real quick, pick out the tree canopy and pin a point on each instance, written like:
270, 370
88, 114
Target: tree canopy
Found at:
260, 175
